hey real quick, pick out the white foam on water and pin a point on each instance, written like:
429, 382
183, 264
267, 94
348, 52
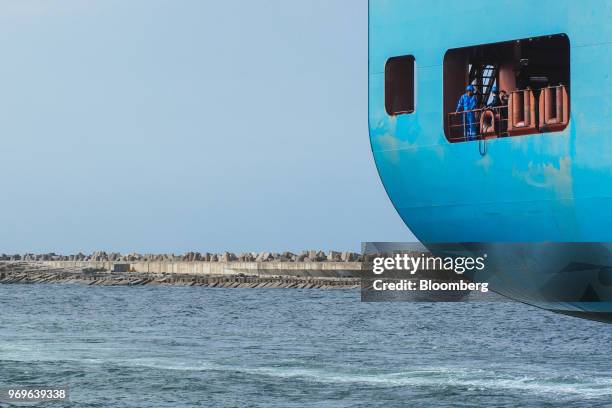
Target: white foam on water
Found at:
542, 382
451, 377
439, 377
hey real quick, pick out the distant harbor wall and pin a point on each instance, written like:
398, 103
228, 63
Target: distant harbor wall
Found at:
168, 273
298, 269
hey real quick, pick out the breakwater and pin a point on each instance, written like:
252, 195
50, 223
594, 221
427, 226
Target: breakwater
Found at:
296, 269
233, 274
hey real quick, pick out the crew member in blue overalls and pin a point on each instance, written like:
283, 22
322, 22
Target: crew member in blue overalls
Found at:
467, 103
495, 99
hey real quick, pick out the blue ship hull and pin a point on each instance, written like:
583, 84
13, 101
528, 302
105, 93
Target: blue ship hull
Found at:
545, 187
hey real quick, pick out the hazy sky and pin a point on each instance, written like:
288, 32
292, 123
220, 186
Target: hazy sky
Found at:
169, 126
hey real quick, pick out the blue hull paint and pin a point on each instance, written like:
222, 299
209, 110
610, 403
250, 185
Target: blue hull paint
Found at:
554, 187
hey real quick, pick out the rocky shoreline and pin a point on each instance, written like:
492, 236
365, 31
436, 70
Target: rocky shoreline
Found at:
28, 272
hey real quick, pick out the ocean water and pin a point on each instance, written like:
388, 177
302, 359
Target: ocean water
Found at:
194, 346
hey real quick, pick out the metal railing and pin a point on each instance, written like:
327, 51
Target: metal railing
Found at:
457, 126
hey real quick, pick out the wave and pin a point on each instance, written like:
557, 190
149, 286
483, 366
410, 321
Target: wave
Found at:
426, 377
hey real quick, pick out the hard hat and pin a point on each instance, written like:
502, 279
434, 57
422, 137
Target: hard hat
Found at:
469, 88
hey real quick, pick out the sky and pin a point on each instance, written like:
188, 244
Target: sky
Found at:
174, 126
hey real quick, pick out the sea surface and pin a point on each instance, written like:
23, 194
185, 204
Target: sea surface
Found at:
194, 346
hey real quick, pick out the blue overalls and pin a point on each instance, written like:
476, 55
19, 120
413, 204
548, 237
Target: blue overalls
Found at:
467, 103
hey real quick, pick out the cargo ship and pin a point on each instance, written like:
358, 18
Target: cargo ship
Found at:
525, 168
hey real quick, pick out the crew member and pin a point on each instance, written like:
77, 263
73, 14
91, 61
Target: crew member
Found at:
467, 104
496, 101
503, 96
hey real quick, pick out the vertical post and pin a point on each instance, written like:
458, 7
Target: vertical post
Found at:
559, 101
526, 108
547, 104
